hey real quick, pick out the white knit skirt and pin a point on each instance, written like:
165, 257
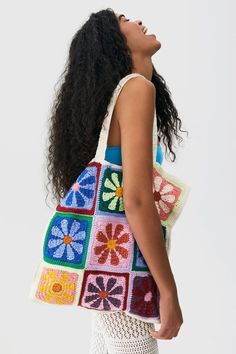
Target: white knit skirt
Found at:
119, 333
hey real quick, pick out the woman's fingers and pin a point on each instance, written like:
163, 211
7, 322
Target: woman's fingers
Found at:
164, 333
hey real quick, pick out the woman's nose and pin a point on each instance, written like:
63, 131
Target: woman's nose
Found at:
139, 22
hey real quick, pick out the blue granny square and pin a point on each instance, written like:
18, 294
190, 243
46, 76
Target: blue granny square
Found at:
66, 240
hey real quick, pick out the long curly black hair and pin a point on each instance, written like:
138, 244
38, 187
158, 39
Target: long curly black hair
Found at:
98, 59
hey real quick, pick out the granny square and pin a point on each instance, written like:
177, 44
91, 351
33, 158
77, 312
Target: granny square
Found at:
144, 295
170, 195
139, 263
104, 290
110, 192
111, 244
66, 239
57, 286
81, 197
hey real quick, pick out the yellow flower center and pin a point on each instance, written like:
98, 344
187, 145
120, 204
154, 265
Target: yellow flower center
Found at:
119, 191
111, 244
56, 288
67, 239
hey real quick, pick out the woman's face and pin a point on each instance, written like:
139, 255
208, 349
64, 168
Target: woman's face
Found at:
138, 42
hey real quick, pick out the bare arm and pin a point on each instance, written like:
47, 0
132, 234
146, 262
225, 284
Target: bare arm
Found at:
135, 108
135, 112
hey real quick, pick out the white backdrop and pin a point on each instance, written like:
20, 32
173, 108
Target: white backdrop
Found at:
196, 59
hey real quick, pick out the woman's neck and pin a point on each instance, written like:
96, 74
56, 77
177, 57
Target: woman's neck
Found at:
142, 65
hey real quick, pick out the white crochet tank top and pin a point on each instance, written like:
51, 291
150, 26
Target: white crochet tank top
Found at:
102, 143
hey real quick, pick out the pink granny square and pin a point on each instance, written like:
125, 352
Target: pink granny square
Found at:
166, 194
111, 244
57, 286
104, 290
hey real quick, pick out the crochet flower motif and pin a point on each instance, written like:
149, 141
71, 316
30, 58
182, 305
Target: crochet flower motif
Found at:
105, 294
144, 297
57, 286
165, 196
140, 259
116, 194
111, 244
81, 193
67, 240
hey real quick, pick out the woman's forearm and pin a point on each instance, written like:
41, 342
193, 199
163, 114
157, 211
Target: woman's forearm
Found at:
145, 224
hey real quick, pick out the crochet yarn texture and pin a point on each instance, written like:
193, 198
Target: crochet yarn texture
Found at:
120, 333
90, 257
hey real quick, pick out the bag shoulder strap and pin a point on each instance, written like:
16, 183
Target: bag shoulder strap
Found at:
116, 93
102, 143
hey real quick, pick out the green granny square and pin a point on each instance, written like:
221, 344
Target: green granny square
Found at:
111, 192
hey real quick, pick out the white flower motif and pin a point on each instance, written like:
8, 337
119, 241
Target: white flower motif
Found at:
165, 194
117, 192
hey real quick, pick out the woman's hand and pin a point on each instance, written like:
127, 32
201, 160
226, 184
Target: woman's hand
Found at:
170, 317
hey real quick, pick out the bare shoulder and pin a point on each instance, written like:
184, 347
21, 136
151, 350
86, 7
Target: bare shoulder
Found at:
137, 86
137, 97
139, 82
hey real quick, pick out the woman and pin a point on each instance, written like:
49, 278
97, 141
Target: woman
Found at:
104, 50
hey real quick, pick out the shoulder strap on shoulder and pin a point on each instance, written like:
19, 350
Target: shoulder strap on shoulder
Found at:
102, 143
117, 92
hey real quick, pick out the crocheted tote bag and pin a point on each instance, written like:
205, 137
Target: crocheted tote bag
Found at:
90, 257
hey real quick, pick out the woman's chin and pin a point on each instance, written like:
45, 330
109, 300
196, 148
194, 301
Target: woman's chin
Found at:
154, 38
156, 45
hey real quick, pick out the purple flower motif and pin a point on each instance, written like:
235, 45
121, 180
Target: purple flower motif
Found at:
104, 294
